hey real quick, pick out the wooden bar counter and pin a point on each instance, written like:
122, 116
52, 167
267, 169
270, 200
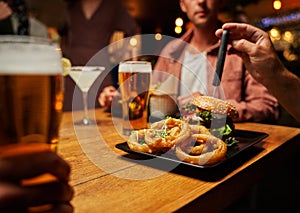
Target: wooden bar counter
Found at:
107, 179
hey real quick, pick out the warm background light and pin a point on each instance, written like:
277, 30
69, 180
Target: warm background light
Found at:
133, 42
277, 4
158, 36
179, 22
178, 29
275, 34
288, 36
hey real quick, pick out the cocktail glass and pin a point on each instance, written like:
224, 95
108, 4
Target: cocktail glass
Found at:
84, 77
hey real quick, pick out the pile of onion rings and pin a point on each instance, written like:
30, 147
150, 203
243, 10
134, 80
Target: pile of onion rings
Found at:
191, 143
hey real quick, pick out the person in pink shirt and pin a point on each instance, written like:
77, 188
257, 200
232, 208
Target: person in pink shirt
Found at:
191, 57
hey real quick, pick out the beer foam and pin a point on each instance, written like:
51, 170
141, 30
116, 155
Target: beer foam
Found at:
32, 58
135, 66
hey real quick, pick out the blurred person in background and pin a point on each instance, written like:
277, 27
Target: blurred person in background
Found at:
89, 27
16, 18
254, 46
187, 59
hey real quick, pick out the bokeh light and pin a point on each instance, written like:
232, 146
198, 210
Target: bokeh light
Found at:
179, 22
277, 4
178, 29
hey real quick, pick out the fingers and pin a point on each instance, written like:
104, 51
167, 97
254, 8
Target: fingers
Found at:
243, 46
238, 31
23, 161
13, 195
184, 99
247, 39
219, 32
56, 208
5, 10
61, 208
243, 31
33, 162
101, 99
254, 50
57, 192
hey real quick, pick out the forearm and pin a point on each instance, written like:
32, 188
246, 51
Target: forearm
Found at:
286, 88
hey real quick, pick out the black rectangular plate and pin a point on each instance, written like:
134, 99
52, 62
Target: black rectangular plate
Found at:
246, 139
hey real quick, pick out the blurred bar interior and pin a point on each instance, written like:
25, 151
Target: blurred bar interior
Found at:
280, 18
164, 17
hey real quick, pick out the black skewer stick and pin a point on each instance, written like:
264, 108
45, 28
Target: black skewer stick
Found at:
221, 59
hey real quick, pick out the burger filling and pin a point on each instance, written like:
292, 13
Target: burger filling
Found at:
219, 125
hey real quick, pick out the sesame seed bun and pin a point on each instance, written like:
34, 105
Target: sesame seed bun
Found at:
216, 106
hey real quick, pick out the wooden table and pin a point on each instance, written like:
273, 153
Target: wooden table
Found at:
105, 181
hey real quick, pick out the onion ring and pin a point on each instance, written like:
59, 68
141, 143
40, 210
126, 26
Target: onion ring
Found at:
164, 134
137, 142
199, 129
203, 149
161, 137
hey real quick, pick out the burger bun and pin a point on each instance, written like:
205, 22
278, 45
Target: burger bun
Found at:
216, 106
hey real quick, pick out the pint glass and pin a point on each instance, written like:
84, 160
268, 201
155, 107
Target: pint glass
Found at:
31, 91
134, 80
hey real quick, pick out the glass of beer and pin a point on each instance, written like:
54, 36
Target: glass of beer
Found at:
134, 80
31, 91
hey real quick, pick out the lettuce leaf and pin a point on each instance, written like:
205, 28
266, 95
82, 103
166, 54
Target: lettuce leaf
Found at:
224, 132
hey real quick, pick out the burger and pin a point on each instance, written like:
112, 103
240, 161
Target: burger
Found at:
215, 114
